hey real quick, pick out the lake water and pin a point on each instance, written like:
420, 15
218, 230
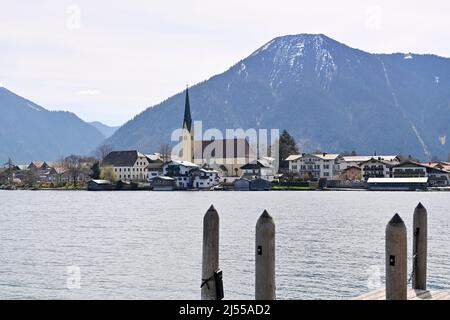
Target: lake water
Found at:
147, 245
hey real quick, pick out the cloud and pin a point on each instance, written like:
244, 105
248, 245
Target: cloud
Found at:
374, 18
88, 92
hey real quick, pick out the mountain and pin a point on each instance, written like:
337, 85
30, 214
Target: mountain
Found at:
329, 96
105, 130
29, 132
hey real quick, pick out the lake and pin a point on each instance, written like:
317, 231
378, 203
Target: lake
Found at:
148, 245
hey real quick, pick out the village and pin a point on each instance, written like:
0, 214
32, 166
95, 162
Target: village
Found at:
229, 164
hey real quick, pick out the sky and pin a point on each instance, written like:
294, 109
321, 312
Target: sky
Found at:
110, 60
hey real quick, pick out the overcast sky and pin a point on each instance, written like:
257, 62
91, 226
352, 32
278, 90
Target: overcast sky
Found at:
109, 60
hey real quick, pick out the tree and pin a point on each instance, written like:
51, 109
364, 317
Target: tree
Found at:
102, 151
448, 158
95, 171
78, 166
164, 150
287, 147
107, 173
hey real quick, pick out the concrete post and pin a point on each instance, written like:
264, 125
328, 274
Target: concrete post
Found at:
265, 258
419, 277
396, 260
210, 257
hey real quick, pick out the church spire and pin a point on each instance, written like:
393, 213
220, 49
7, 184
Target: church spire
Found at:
187, 121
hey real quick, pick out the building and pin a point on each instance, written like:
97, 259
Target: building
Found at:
225, 155
443, 165
100, 185
204, 178
258, 169
377, 168
260, 185
355, 161
351, 173
155, 166
242, 184
397, 184
436, 177
163, 183
127, 165
314, 166
180, 171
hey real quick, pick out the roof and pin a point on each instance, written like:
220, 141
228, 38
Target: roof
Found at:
365, 158
416, 164
438, 165
387, 162
38, 164
398, 180
122, 158
183, 163
163, 178
323, 156
293, 157
241, 148
351, 167
187, 121
153, 157
98, 181
257, 164
206, 170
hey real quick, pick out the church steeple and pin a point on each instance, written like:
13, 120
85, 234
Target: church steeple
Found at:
187, 121
188, 132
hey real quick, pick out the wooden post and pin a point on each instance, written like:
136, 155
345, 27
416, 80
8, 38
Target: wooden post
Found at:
265, 258
419, 276
210, 257
396, 261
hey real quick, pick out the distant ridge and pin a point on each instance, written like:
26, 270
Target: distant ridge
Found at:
105, 130
30, 132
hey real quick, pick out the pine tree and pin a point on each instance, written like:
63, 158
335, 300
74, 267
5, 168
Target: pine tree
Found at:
287, 147
95, 171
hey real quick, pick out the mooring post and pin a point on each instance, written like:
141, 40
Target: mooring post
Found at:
265, 258
419, 275
210, 257
396, 261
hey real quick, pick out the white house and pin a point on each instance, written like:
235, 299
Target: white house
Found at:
258, 169
127, 165
377, 168
315, 166
204, 178
155, 166
180, 170
355, 161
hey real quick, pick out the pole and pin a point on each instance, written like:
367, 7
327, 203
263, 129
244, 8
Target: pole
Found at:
396, 262
210, 258
265, 258
419, 276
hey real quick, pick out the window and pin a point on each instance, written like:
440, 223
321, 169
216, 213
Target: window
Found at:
326, 174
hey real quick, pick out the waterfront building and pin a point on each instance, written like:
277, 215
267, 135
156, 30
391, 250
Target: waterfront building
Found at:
315, 166
436, 177
258, 169
180, 171
377, 168
128, 165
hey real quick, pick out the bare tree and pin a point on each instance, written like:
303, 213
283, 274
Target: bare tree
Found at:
78, 166
102, 151
165, 152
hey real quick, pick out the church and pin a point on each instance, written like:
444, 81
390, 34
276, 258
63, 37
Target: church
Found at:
225, 155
